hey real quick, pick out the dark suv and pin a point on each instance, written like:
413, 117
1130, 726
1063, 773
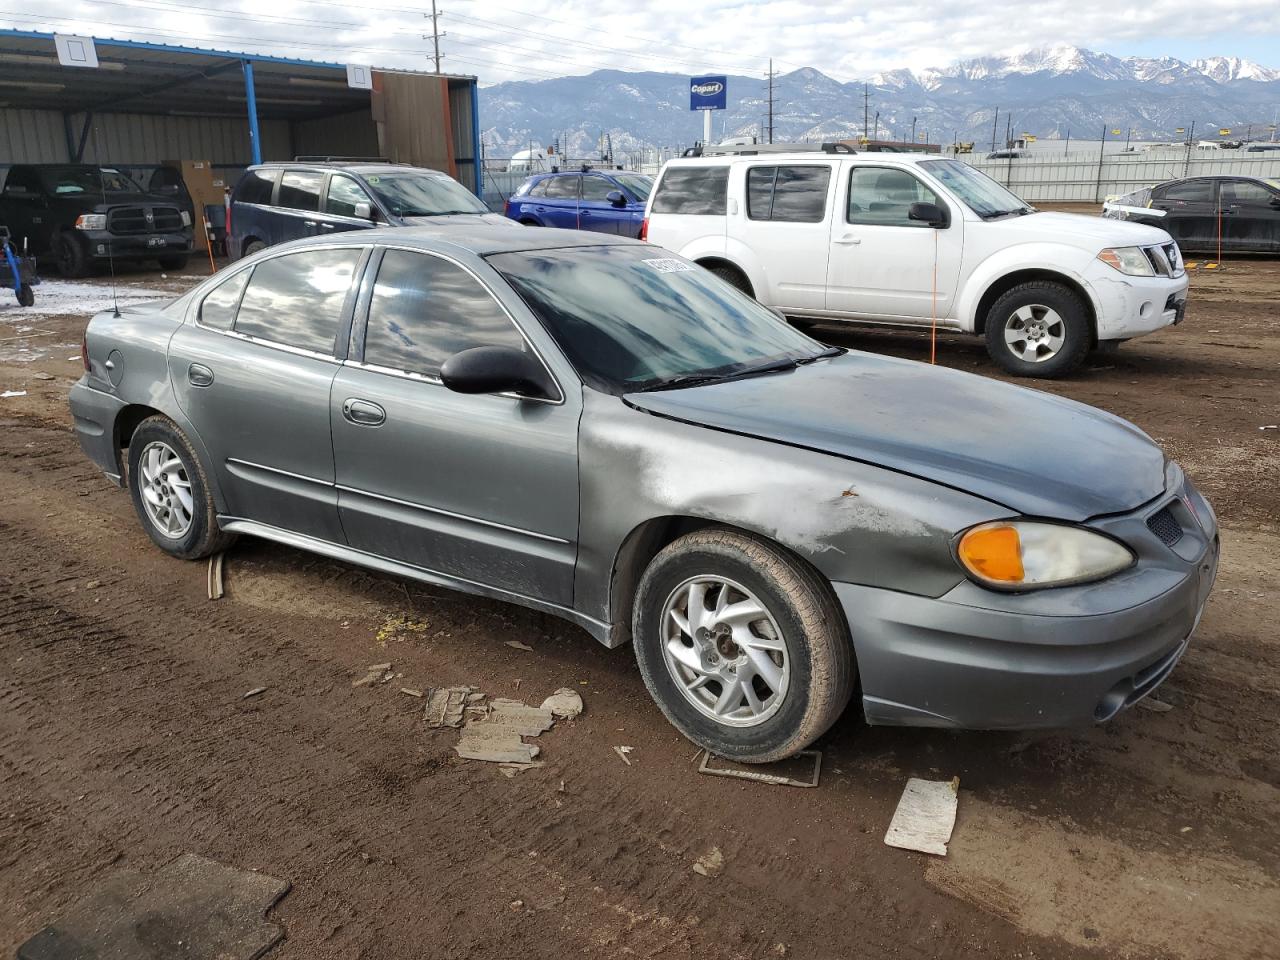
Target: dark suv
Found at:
84, 215
275, 202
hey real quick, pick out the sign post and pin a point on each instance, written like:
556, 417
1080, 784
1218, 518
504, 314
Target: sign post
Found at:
707, 94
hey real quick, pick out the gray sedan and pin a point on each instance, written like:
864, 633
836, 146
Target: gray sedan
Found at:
595, 428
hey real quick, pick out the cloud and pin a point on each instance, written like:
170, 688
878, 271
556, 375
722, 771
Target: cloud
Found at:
531, 39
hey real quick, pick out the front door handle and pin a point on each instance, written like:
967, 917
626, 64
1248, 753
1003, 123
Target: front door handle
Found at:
327, 226
849, 240
198, 375
363, 413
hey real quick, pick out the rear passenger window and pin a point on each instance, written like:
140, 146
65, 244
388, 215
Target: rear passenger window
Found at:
425, 309
693, 190
563, 188
297, 299
795, 194
883, 197
218, 310
300, 189
256, 186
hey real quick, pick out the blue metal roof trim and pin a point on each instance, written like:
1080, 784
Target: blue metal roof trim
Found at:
173, 48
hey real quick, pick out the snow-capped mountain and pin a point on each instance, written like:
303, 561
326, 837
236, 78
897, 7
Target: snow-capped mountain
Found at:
1051, 92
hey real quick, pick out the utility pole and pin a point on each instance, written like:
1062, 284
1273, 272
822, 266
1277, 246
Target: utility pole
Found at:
1191, 138
866, 110
877, 127
913, 129
435, 33
771, 76
995, 125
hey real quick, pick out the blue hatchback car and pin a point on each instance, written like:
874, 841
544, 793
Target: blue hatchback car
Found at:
609, 201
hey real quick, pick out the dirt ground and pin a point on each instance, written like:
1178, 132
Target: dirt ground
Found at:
125, 739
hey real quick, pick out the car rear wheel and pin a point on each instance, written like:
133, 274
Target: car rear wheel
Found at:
170, 491
743, 647
1038, 329
71, 256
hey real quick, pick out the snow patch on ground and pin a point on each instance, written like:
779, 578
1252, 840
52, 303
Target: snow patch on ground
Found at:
60, 298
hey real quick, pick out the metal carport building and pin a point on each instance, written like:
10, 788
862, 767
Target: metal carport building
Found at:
147, 103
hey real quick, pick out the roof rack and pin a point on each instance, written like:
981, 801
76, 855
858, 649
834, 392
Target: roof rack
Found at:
753, 149
328, 159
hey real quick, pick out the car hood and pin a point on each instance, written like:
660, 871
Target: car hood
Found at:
1033, 452
1096, 233
459, 219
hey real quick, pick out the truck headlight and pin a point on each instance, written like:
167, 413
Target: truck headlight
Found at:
91, 221
1025, 554
1130, 261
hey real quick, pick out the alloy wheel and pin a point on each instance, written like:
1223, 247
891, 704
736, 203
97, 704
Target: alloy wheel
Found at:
1035, 333
166, 490
725, 651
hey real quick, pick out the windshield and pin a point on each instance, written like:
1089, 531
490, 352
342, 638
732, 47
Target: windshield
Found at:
979, 192
422, 195
77, 180
637, 184
636, 317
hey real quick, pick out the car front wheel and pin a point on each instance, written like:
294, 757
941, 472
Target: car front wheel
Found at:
742, 646
1038, 329
170, 491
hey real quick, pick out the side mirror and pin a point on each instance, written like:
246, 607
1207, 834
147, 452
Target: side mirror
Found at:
617, 198
496, 370
930, 213
363, 210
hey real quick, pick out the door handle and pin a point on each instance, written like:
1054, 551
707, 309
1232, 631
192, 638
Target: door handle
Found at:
849, 240
327, 226
363, 413
308, 223
198, 375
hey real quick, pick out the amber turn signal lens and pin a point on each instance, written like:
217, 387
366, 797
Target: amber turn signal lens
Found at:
994, 553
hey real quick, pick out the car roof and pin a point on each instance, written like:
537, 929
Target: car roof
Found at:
477, 239
346, 167
800, 156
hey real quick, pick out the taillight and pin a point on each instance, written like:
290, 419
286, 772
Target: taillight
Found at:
644, 229
84, 351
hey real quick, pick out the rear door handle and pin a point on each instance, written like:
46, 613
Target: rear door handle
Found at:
198, 375
327, 226
849, 240
364, 413
308, 223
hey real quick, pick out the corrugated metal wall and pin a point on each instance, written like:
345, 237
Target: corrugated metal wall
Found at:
1086, 178
345, 134
32, 136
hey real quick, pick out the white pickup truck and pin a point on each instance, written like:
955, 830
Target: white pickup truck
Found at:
907, 239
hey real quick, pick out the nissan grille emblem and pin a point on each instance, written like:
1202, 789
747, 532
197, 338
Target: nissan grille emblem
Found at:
708, 89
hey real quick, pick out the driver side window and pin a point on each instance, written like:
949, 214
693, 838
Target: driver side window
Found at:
883, 196
344, 194
424, 309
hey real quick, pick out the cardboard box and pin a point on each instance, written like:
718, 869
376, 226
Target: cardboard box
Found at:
205, 186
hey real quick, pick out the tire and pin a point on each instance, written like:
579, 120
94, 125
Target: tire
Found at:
26, 296
531, 223
812, 676
733, 278
1056, 324
173, 263
252, 247
71, 256
200, 536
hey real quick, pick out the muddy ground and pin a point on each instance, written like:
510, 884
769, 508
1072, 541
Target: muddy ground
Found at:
125, 741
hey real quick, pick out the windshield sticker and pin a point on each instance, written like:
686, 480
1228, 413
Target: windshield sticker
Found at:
669, 265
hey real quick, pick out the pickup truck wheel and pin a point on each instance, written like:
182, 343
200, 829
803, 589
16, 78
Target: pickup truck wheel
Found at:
252, 247
71, 256
170, 491
1038, 329
743, 647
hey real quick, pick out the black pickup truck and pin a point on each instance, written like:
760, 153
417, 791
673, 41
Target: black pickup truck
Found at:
84, 215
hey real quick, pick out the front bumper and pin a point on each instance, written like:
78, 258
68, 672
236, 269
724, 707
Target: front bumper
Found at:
976, 659
93, 414
1133, 306
103, 245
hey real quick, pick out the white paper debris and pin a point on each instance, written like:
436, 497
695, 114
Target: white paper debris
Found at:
710, 864
517, 645
564, 704
12, 393
622, 752
925, 817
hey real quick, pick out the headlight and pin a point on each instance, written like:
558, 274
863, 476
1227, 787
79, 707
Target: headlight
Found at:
1130, 261
91, 221
186, 218
1023, 554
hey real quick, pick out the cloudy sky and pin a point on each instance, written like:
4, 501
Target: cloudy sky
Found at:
534, 39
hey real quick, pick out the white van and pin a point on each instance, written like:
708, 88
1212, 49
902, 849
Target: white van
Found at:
904, 239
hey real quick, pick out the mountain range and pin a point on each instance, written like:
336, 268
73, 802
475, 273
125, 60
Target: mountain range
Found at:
1054, 92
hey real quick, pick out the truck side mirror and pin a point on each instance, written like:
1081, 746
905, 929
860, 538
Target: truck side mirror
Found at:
930, 213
